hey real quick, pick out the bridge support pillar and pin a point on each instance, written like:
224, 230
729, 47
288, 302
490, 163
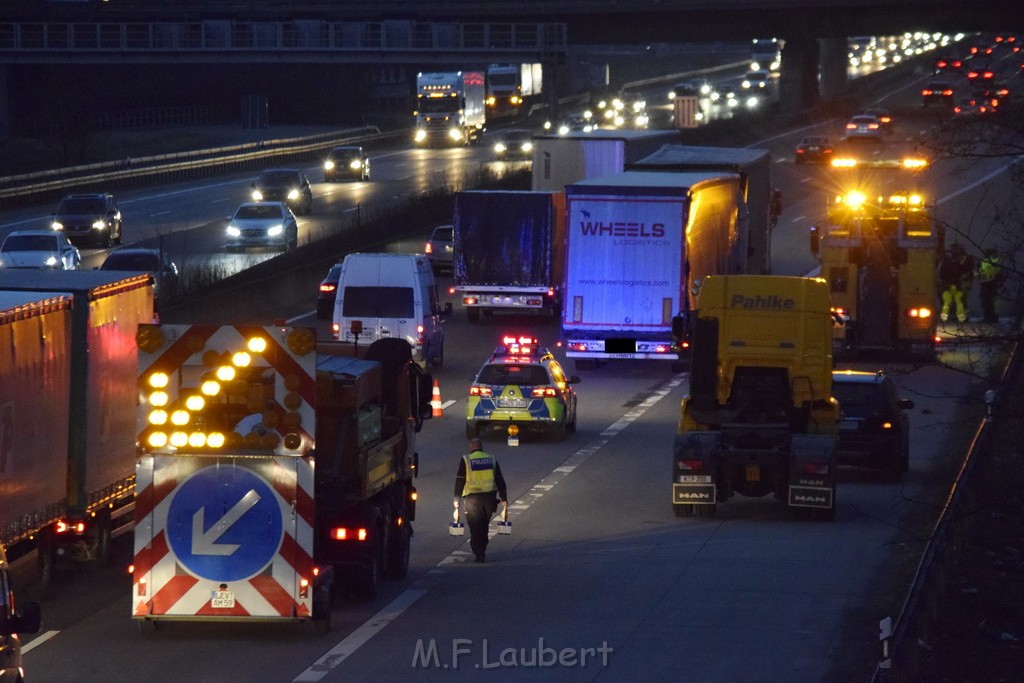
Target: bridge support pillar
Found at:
798, 84
834, 62
5, 111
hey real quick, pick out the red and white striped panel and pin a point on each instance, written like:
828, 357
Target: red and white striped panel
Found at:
180, 353
163, 586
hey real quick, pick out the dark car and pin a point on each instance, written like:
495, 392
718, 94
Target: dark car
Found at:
937, 92
948, 64
327, 292
154, 261
89, 218
440, 247
513, 144
874, 430
884, 117
346, 162
284, 185
814, 150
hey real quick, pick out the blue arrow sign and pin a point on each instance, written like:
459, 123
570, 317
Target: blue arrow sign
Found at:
224, 523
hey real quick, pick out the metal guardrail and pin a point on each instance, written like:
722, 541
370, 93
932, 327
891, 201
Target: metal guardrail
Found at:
900, 642
21, 39
110, 174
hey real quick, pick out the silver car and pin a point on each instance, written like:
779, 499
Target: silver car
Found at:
440, 248
262, 224
39, 249
864, 126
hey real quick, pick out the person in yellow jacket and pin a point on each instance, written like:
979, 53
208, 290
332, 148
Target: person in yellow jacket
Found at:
478, 480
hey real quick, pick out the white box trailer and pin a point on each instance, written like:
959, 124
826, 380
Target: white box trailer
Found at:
560, 160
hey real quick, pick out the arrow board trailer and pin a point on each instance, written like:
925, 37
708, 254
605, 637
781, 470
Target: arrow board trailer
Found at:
225, 475
635, 243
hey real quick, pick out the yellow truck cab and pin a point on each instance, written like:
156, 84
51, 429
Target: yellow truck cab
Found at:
759, 417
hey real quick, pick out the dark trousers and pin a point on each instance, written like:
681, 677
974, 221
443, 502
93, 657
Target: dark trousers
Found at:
479, 509
988, 290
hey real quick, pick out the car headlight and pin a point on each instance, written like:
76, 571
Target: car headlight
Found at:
527, 147
499, 148
99, 225
275, 231
421, 135
257, 196
293, 194
233, 231
671, 94
57, 225
751, 102
563, 130
455, 134
355, 164
328, 165
51, 262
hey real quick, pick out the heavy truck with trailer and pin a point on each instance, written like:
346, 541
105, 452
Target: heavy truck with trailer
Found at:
273, 471
636, 243
450, 107
67, 379
512, 87
509, 251
759, 417
561, 160
879, 248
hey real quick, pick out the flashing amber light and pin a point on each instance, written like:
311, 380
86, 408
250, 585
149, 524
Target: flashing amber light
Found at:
158, 417
922, 312
915, 200
470, 300
158, 380
197, 439
210, 388
180, 417
887, 425
215, 440
225, 373
843, 162
914, 163
179, 439
195, 403
513, 430
428, 248
854, 199
257, 344
157, 440
158, 398
241, 359
414, 496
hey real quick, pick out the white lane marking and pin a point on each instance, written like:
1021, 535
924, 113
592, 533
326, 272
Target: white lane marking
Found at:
448, 404
336, 655
159, 213
987, 178
36, 642
799, 218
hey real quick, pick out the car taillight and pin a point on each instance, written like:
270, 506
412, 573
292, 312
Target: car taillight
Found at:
326, 287
926, 92
920, 312
428, 248
817, 469
469, 300
947, 93
872, 126
349, 534
799, 151
689, 464
544, 392
851, 126
887, 425
477, 390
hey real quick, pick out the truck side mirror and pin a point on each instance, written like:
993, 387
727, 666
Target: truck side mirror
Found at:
815, 235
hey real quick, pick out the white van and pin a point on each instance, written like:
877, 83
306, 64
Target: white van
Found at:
391, 295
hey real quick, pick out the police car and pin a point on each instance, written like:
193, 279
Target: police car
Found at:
522, 385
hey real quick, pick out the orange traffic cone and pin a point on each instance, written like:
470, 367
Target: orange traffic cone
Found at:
435, 401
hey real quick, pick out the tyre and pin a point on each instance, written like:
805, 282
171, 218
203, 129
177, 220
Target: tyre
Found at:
370, 575
103, 524
473, 315
120, 236
323, 603
398, 552
572, 425
558, 433
438, 360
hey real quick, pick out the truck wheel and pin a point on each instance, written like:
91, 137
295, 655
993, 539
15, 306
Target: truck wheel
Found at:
103, 524
369, 576
398, 552
438, 360
323, 603
473, 315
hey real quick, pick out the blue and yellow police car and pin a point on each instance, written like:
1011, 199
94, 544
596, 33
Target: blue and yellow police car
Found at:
522, 385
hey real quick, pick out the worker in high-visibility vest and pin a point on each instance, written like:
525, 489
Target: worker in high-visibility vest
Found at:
478, 480
991, 275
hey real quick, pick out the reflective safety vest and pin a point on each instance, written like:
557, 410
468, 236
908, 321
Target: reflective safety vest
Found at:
989, 269
479, 473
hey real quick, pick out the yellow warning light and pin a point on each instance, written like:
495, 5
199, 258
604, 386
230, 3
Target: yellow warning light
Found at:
292, 441
158, 398
197, 439
241, 359
157, 440
854, 199
158, 380
158, 417
301, 341
513, 430
215, 440
195, 403
225, 373
179, 439
257, 344
843, 162
897, 199
915, 163
210, 388
180, 417
915, 200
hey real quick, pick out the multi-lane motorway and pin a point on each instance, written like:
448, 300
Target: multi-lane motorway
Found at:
599, 580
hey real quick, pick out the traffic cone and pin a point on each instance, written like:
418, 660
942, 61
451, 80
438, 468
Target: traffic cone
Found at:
435, 401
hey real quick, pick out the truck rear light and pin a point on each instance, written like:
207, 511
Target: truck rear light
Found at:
476, 390
689, 465
551, 291
414, 495
534, 302
920, 312
327, 287
470, 300
428, 248
303, 588
577, 346
816, 469
544, 392
349, 534
661, 348
63, 526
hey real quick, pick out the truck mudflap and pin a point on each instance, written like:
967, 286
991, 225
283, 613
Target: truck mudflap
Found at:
812, 473
694, 456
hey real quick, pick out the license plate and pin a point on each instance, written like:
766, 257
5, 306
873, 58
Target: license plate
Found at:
512, 403
753, 473
694, 478
223, 600
849, 424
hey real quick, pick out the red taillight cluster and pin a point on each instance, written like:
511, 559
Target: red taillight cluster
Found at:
690, 465
428, 248
349, 534
477, 390
62, 527
327, 287
921, 312
544, 392
816, 469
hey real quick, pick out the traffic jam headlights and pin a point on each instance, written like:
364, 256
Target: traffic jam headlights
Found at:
56, 225
455, 134
355, 164
276, 230
257, 196
420, 135
232, 231
328, 165
293, 194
